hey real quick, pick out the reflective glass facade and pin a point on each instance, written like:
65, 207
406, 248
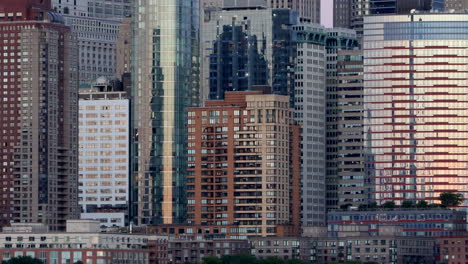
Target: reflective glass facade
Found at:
416, 106
266, 57
165, 83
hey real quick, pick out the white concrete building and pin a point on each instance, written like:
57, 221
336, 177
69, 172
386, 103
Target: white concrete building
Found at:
310, 103
104, 154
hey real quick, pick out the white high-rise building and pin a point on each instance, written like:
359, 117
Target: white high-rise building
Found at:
310, 103
104, 154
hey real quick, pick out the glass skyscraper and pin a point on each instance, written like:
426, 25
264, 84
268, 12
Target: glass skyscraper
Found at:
416, 106
260, 52
165, 83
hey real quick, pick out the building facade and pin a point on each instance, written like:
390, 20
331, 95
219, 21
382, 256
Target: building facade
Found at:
309, 104
307, 10
456, 4
104, 120
81, 242
452, 250
242, 155
415, 222
318, 111
351, 13
355, 244
350, 137
278, 247
97, 46
94, 8
338, 39
259, 39
165, 83
124, 49
352, 244
415, 115
39, 161
193, 251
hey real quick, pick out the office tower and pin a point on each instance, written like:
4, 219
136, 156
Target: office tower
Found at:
243, 165
415, 106
316, 105
350, 133
124, 48
97, 45
350, 13
94, 8
456, 4
309, 104
39, 128
266, 41
104, 115
338, 39
165, 83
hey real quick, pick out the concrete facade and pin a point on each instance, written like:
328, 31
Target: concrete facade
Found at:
104, 118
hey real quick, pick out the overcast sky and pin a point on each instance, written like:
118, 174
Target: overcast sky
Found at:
327, 13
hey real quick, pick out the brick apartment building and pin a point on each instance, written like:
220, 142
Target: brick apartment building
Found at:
244, 165
39, 111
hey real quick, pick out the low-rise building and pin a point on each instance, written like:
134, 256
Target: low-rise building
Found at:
82, 241
354, 243
351, 243
430, 222
194, 250
453, 250
280, 247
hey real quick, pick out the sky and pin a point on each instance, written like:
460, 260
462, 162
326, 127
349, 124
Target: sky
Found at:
327, 13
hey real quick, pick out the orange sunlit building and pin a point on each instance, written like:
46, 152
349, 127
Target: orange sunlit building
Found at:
244, 165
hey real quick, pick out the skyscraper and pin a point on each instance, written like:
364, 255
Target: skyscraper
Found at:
338, 39
39, 128
349, 124
310, 103
415, 106
253, 47
316, 104
165, 83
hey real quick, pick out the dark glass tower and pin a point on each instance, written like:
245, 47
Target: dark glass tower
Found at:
236, 63
165, 83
